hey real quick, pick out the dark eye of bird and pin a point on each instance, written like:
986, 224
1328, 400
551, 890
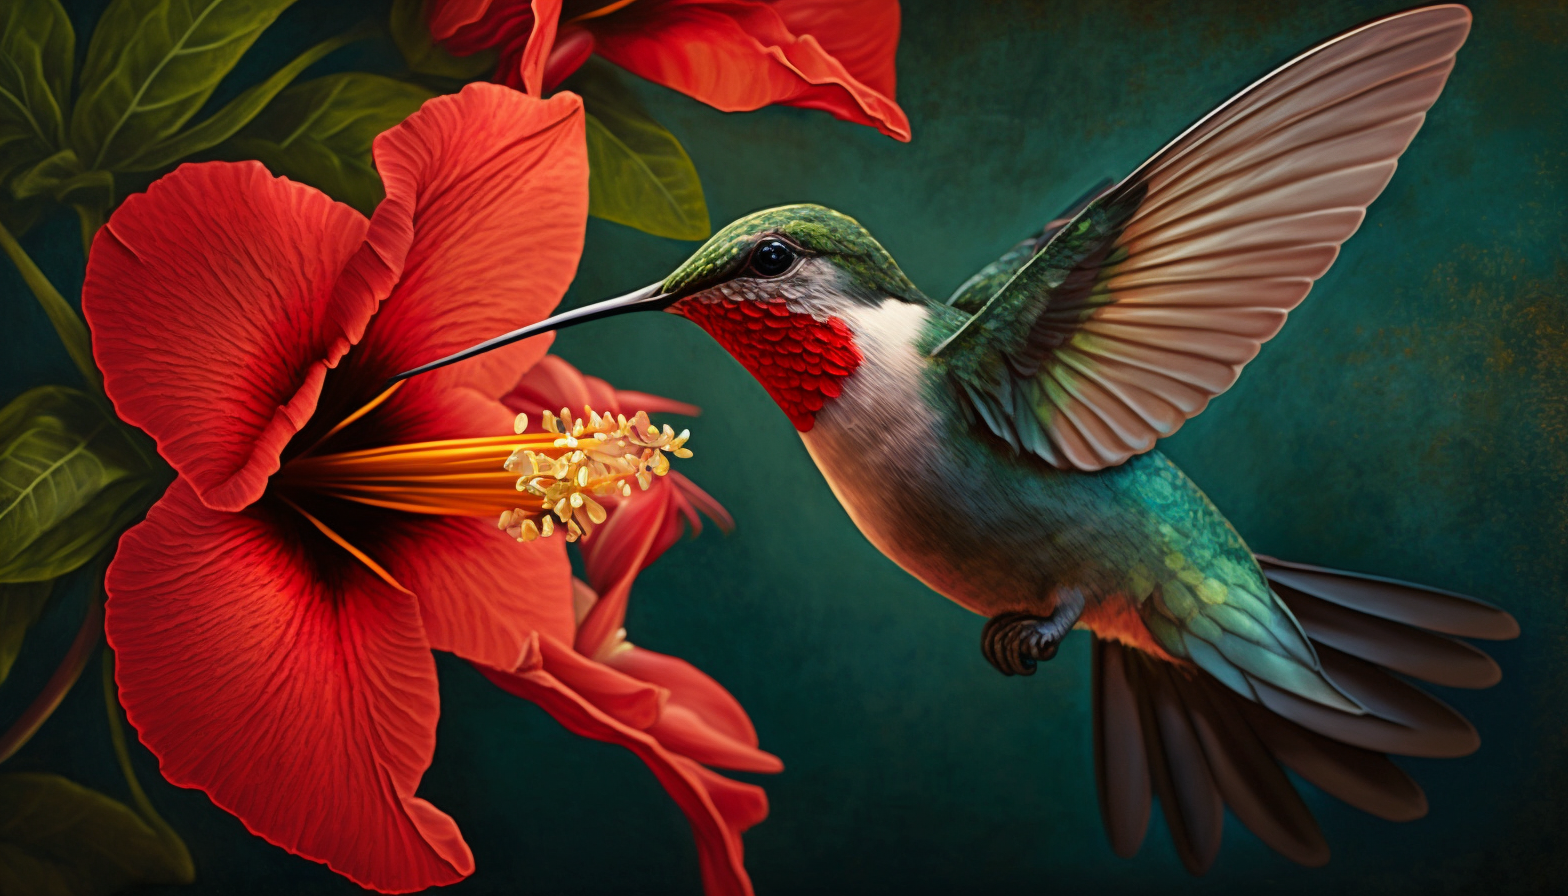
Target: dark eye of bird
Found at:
772, 257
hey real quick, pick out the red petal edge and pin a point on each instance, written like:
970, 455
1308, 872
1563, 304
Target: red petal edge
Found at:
210, 299
487, 203
701, 719
306, 709
719, 809
739, 55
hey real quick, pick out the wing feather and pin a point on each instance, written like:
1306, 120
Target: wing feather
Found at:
1151, 300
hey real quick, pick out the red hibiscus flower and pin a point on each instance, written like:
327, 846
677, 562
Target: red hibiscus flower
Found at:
274, 616
734, 55
674, 717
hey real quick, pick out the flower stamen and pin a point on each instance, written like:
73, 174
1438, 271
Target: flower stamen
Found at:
557, 476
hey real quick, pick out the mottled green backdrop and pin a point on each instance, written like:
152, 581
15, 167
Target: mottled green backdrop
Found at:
1410, 421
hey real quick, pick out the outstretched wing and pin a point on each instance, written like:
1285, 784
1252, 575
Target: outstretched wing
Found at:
1150, 301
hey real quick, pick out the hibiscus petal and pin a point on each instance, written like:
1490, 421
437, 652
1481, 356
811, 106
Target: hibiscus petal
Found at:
613, 556
639, 530
682, 730
861, 34
691, 688
553, 383
718, 808
739, 55
264, 666
209, 298
628, 700
487, 201
481, 594
541, 40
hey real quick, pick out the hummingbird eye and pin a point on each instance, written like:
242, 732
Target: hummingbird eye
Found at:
772, 257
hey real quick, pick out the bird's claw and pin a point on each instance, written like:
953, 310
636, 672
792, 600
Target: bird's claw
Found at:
1015, 643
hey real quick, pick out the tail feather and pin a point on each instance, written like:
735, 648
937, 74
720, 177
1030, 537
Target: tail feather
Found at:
1122, 768
1181, 735
1194, 810
1400, 718
1252, 784
1421, 654
1364, 779
1416, 605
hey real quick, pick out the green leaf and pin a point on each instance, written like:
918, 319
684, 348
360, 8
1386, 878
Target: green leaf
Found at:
638, 173
38, 48
67, 323
226, 121
151, 65
69, 478
21, 603
58, 838
411, 33
61, 176
320, 133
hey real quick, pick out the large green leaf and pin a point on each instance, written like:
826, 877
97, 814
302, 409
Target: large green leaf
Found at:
37, 51
320, 133
58, 838
226, 121
21, 603
151, 65
411, 33
638, 173
69, 478
37, 48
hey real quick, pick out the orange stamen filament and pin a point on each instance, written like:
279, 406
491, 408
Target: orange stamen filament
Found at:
554, 473
601, 11
343, 543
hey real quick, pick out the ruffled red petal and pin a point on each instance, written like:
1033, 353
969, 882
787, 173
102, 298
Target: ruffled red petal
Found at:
266, 667
553, 383
700, 719
481, 594
719, 809
487, 201
613, 556
541, 40
626, 699
210, 301
739, 55
689, 687
861, 34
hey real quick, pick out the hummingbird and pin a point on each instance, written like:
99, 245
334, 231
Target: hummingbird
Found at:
1000, 446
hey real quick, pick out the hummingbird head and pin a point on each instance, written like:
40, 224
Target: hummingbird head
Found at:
804, 251
778, 289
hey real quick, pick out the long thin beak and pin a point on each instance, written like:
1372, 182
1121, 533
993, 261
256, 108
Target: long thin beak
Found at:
649, 298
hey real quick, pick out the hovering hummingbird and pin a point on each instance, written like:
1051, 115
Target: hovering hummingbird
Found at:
1000, 446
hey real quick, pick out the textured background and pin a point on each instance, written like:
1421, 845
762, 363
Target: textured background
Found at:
1410, 421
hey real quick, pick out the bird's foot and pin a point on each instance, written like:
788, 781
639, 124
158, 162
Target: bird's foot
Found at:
1015, 642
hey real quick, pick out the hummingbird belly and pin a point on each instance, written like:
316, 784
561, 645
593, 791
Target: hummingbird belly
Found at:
990, 531
996, 531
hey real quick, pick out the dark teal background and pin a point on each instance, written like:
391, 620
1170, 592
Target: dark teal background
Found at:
1410, 421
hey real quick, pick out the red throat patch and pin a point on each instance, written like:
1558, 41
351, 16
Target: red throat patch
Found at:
800, 360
